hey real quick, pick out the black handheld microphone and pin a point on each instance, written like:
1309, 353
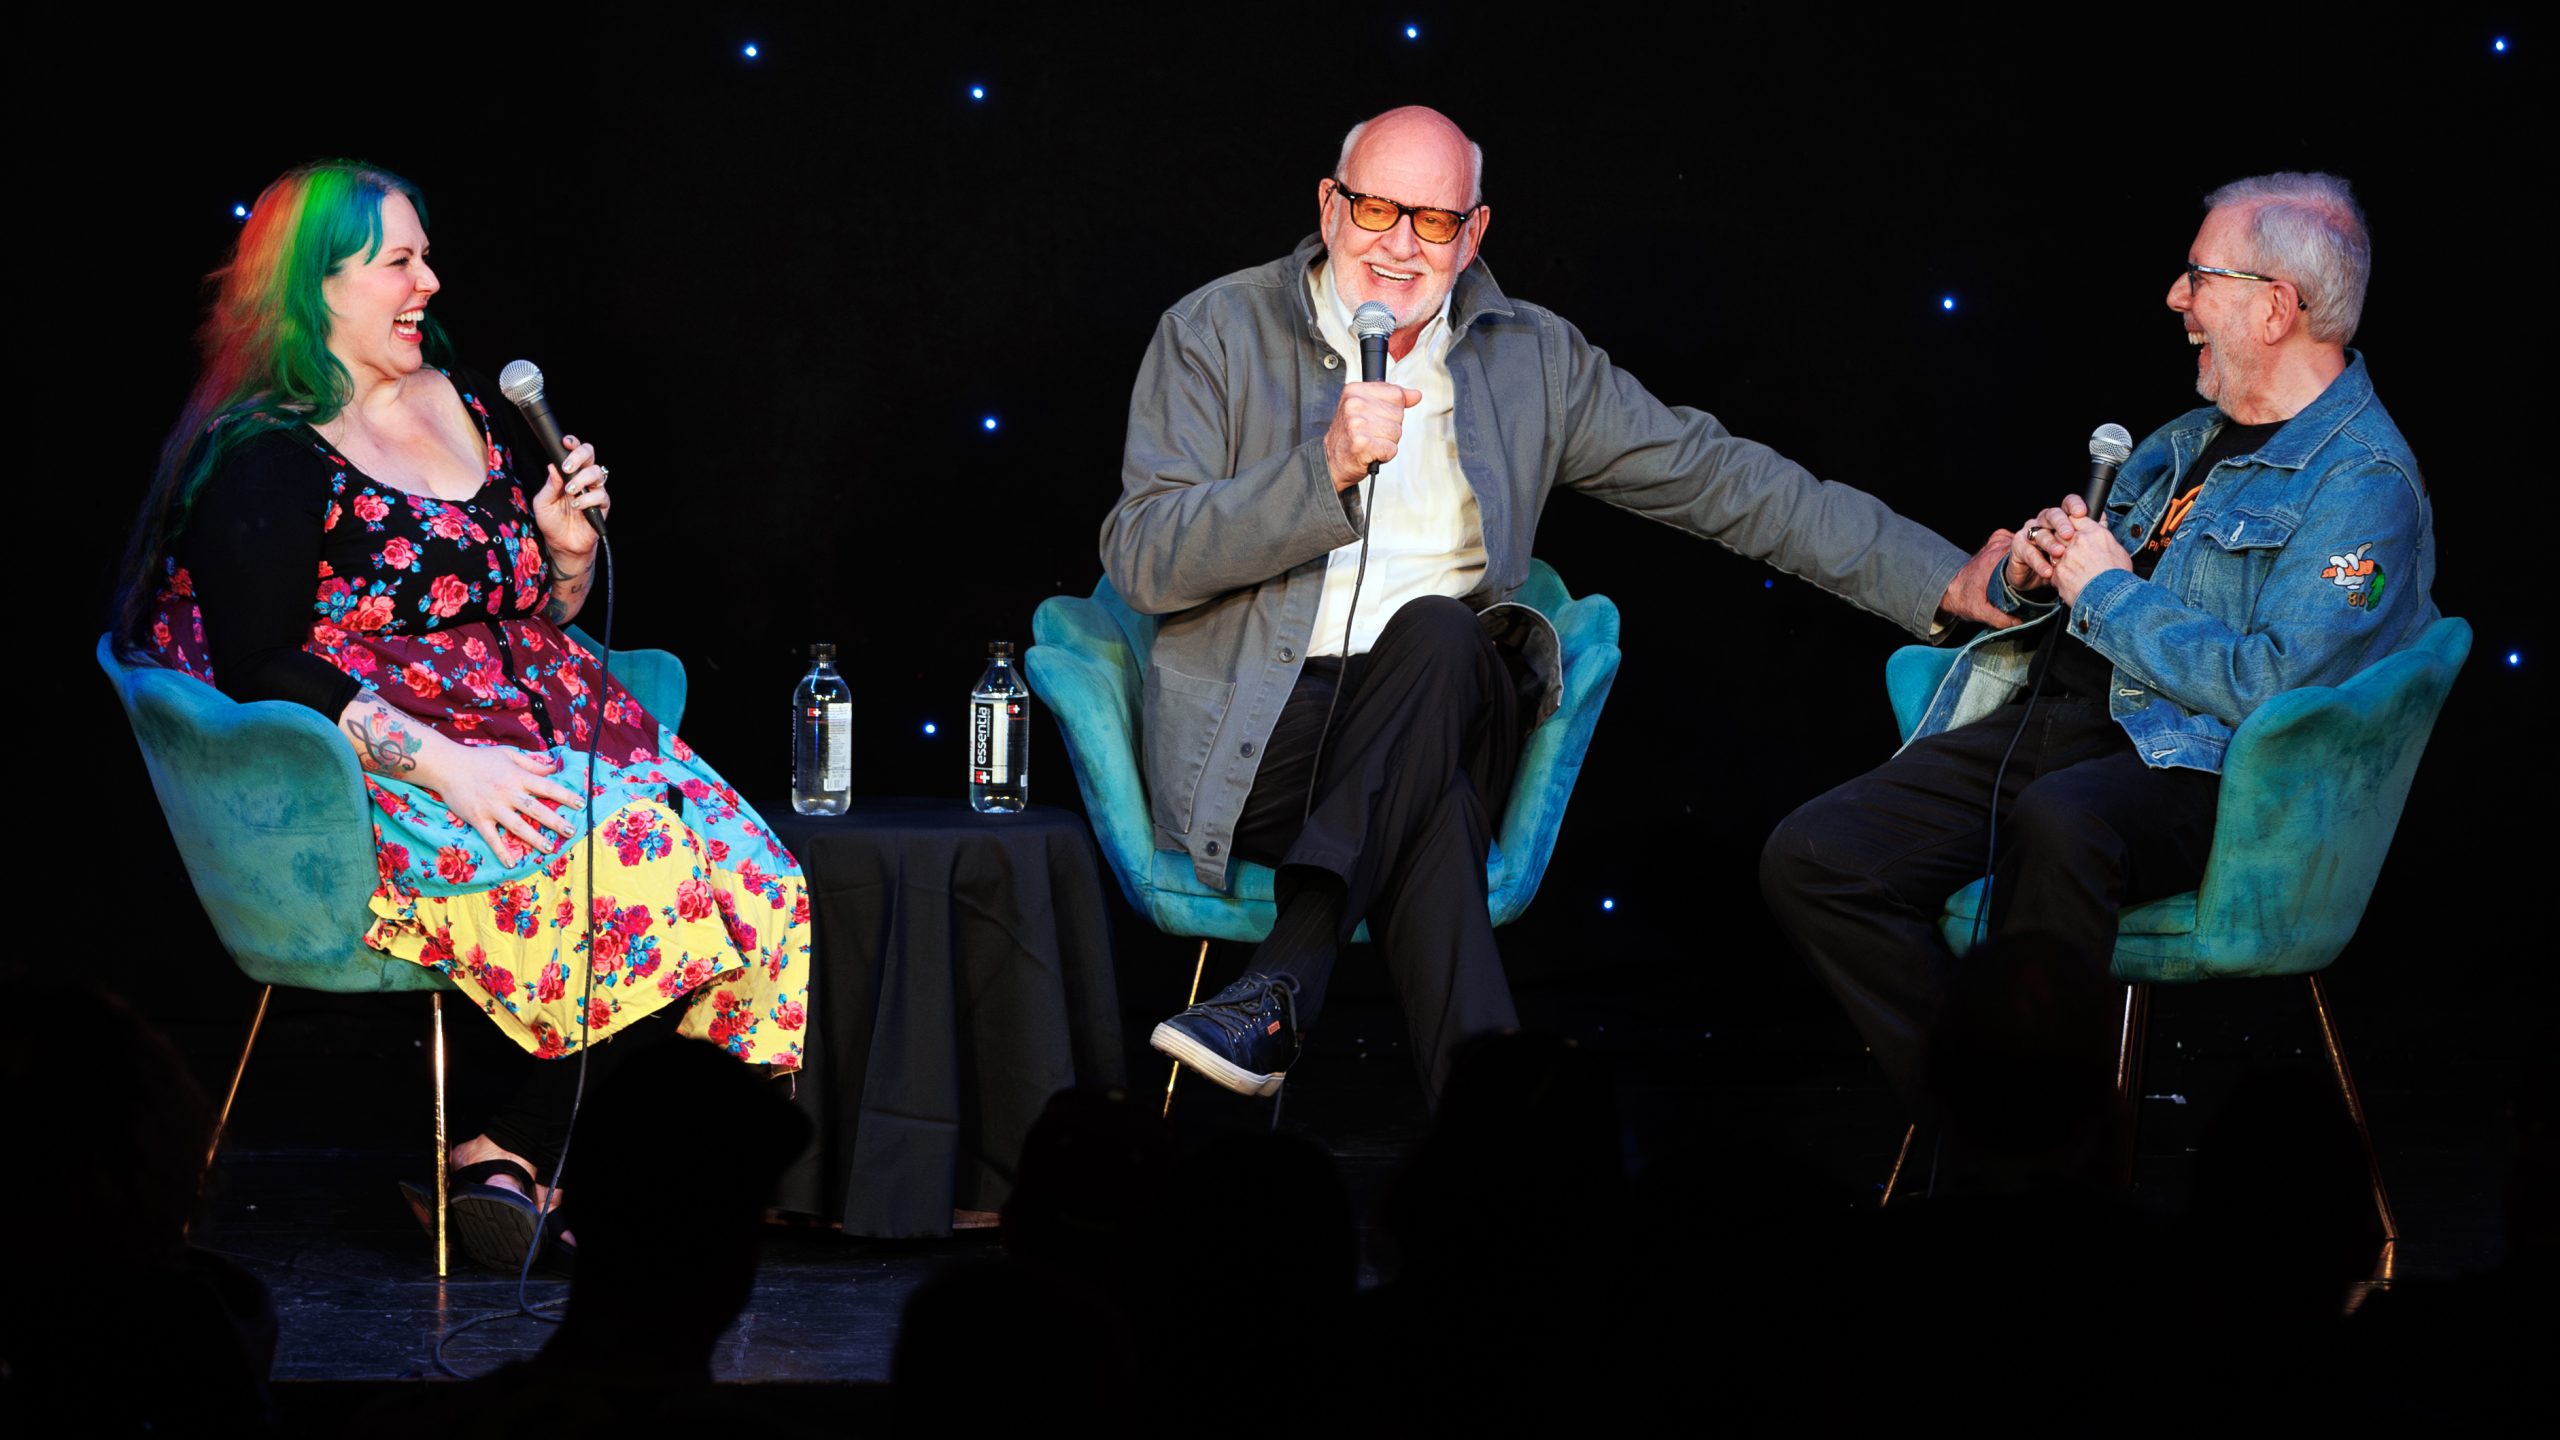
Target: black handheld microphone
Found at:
1373, 323
521, 382
2109, 446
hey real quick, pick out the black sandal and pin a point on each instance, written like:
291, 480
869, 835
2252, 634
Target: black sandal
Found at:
491, 1223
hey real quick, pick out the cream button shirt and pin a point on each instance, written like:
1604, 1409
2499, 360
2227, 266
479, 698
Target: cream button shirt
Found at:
1425, 537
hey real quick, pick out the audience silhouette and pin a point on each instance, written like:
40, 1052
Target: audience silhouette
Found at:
113, 1324
1527, 1272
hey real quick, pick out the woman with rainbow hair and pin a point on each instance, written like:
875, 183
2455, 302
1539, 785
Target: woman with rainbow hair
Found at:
337, 520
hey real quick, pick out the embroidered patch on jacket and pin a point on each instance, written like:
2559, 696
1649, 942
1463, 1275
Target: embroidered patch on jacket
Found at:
2358, 575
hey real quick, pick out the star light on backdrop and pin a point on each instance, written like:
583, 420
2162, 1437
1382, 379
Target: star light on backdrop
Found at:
752, 50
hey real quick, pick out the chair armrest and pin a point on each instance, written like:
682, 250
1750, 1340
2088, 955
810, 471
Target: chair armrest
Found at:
1911, 675
1082, 668
1551, 762
655, 678
2312, 789
270, 815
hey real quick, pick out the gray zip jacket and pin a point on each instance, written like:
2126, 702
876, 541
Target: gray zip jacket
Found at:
1227, 511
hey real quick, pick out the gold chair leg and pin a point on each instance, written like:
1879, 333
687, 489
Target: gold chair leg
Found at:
222, 1122
1197, 968
1900, 1158
436, 1028
222, 1118
2131, 1031
2355, 1112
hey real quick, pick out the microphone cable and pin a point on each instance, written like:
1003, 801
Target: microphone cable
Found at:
546, 1207
1315, 768
1991, 845
1373, 323
1342, 682
1367, 517
2110, 445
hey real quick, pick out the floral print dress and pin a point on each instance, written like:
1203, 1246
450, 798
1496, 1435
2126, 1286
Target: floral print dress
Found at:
434, 607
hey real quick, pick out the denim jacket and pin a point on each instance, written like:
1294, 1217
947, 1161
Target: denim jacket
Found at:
2301, 564
1228, 511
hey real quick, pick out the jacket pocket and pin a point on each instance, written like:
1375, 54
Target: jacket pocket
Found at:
2254, 540
2237, 530
1184, 713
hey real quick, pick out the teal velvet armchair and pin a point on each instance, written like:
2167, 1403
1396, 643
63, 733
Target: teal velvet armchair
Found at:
269, 813
1088, 665
2312, 789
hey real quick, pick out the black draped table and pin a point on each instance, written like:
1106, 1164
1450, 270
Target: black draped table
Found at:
962, 976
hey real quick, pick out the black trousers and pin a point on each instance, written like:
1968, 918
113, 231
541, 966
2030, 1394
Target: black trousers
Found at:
1859, 876
534, 1121
1426, 735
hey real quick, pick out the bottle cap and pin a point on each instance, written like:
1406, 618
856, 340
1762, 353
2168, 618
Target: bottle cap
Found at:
1000, 647
822, 651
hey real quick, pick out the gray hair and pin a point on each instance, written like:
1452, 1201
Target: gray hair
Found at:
1475, 163
2307, 228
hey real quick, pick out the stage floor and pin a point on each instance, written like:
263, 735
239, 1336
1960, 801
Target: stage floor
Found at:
309, 1201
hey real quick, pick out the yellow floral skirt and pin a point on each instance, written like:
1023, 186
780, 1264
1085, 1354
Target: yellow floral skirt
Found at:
703, 906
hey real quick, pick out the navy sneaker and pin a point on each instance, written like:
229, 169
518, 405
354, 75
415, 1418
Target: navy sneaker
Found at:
1245, 1037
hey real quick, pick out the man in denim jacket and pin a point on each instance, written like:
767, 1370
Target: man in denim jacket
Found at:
1246, 494
2278, 538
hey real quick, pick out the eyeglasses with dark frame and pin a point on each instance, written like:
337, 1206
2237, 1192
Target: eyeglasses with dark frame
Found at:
2196, 274
1376, 212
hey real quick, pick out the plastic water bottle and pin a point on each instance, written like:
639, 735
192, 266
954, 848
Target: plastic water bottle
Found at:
999, 736
822, 738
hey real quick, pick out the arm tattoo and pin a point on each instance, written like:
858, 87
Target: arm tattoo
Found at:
385, 744
567, 593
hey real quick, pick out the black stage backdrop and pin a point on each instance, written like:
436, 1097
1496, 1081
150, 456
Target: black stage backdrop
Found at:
784, 293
